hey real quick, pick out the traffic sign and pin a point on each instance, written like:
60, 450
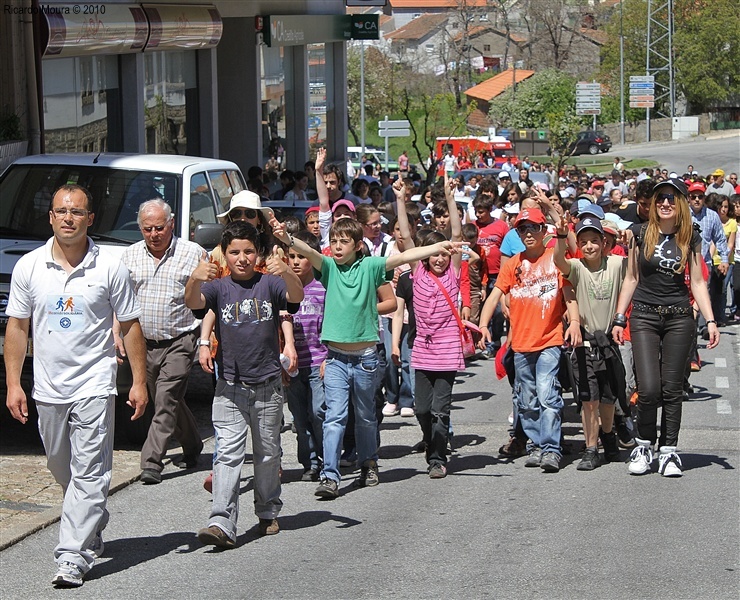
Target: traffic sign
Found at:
582, 85
588, 111
588, 94
642, 104
314, 121
386, 133
649, 98
580, 105
642, 78
642, 86
393, 124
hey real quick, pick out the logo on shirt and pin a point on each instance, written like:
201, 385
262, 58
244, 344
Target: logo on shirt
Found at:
65, 313
250, 310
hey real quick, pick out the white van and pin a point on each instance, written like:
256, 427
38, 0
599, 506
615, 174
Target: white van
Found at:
197, 189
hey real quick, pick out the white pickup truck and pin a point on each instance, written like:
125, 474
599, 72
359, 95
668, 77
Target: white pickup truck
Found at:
196, 188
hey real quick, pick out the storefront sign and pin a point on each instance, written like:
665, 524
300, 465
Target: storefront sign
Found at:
299, 30
365, 27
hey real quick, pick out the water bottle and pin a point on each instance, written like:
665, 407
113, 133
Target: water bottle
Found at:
285, 363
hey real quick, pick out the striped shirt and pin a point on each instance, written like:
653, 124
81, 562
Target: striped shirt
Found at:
437, 345
160, 287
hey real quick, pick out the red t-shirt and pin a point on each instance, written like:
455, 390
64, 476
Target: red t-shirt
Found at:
490, 237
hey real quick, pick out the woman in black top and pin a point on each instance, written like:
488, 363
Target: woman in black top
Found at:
661, 324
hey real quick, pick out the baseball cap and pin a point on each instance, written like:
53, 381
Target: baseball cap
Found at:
718, 173
604, 201
312, 209
592, 209
609, 227
512, 209
597, 183
342, 202
579, 205
697, 186
675, 183
615, 219
504, 175
533, 215
245, 199
590, 223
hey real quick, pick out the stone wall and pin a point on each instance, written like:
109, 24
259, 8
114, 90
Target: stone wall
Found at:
660, 130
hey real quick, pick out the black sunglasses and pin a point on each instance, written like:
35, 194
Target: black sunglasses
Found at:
238, 213
696, 196
663, 197
528, 228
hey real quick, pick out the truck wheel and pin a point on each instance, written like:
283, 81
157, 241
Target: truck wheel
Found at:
593, 149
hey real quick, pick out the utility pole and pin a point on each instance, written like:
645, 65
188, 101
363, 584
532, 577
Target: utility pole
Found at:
621, 74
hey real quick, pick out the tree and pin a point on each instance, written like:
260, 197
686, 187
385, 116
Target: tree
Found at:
552, 25
379, 70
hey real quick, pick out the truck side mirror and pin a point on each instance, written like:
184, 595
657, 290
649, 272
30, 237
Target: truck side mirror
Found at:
208, 235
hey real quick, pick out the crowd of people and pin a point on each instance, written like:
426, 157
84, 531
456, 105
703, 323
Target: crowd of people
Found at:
364, 308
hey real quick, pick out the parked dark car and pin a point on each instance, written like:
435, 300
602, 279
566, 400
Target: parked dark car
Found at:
590, 142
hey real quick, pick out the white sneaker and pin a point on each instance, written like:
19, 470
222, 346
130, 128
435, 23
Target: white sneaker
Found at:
68, 575
669, 463
390, 410
641, 458
407, 412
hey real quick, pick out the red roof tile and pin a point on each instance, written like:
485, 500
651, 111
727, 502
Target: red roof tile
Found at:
497, 84
418, 28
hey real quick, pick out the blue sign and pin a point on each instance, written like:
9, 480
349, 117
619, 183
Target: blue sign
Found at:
641, 86
314, 122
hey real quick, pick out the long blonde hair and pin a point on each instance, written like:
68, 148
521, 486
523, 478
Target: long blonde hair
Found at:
684, 226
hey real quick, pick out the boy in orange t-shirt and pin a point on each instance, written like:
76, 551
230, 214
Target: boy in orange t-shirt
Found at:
538, 298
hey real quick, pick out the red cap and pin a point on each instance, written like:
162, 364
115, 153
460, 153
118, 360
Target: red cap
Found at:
312, 209
533, 215
697, 186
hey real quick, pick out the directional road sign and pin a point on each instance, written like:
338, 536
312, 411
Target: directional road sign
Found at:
394, 133
637, 78
581, 85
642, 104
588, 111
646, 98
393, 124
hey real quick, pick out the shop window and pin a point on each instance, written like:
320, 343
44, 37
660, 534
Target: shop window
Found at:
82, 104
317, 97
171, 103
275, 64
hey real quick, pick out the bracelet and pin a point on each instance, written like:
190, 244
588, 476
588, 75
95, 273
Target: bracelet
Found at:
292, 241
204, 342
711, 321
562, 237
619, 320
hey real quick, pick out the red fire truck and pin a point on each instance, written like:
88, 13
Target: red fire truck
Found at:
498, 147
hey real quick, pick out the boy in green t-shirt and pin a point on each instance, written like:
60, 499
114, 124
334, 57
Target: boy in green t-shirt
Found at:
350, 332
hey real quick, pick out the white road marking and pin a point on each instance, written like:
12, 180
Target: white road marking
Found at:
723, 407
722, 382
720, 363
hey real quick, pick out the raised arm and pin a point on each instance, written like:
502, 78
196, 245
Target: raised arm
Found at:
315, 258
321, 190
416, 254
561, 262
455, 223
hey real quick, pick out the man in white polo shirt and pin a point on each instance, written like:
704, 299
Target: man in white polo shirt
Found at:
70, 289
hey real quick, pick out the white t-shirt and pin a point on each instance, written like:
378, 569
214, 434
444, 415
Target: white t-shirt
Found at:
74, 356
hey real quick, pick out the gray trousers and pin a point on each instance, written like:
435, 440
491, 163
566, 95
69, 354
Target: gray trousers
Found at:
78, 439
167, 368
259, 407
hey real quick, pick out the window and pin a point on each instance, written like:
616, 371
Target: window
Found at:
486, 47
430, 48
455, 24
483, 17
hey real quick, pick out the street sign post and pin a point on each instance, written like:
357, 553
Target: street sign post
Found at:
642, 95
588, 99
388, 129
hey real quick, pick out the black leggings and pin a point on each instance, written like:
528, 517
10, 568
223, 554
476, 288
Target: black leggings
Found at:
661, 345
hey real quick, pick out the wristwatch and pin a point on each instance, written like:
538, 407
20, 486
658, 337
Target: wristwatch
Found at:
204, 342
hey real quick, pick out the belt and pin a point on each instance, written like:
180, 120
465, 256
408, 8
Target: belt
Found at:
152, 344
661, 310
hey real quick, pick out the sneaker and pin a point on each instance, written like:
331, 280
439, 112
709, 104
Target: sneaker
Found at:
186, 461
151, 477
215, 536
695, 366
68, 575
534, 458
669, 463
97, 547
511, 418
513, 448
611, 447
328, 488
437, 471
625, 438
208, 484
390, 410
550, 462
311, 474
641, 458
268, 526
589, 461
368, 475
407, 411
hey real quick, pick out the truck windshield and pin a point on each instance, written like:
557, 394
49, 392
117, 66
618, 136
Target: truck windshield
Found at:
26, 192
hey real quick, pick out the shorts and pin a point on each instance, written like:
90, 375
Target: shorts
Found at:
592, 384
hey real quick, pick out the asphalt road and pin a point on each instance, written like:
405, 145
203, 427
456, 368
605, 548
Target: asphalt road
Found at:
705, 155
491, 529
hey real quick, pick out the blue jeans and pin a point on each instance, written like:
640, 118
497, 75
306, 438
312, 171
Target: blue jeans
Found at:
306, 404
398, 381
537, 391
348, 376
